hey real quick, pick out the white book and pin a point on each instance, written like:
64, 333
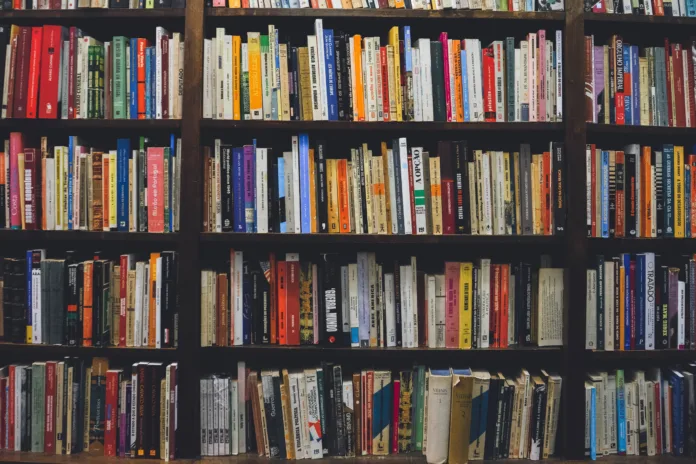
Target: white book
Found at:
227, 77
405, 186
158, 304
370, 81
438, 417
417, 84
610, 394
8, 55
37, 335
559, 76
314, 77
667, 423
426, 84
681, 326
313, 417
419, 190
485, 295
171, 77
294, 391
430, 298
378, 81
297, 223
139, 292
609, 306
518, 85
262, 190
550, 312
440, 310
389, 309
533, 76
472, 187
357, 194
134, 409
682, 7
591, 310
345, 301
50, 193
498, 167
477, 83
159, 33
486, 218
304, 415
353, 301
267, 66
289, 193
321, 62
405, 275
650, 278
391, 172
499, 71
241, 405
238, 296
642, 404
234, 423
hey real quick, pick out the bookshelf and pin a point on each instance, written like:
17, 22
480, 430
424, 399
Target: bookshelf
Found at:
572, 250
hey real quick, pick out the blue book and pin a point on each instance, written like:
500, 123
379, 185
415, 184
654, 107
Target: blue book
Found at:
465, 87
621, 411
626, 259
281, 195
148, 82
677, 382
363, 300
604, 195
668, 188
172, 171
687, 200
628, 110
238, 183
691, 8
530, 5
479, 413
123, 206
593, 423
640, 302
249, 182
153, 83
305, 216
408, 63
133, 79
635, 85
330, 69
29, 290
72, 141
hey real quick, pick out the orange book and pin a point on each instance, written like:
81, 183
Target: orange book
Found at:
272, 276
312, 193
245, 3
692, 163
646, 193
142, 46
504, 305
546, 193
359, 108
343, 201
105, 191
332, 195
236, 76
315, 4
152, 319
87, 299
456, 50
282, 303
620, 200
329, 4
399, 4
385, 168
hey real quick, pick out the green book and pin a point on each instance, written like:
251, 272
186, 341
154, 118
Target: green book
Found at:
422, 388
119, 71
149, 4
99, 82
246, 106
415, 380
91, 80
38, 394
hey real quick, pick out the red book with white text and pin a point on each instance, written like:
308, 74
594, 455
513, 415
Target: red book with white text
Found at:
494, 318
293, 298
51, 60
488, 67
385, 83
452, 305
444, 151
142, 45
282, 303
111, 411
446, 68
504, 304
123, 297
50, 409
75, 35
34, 71
16, 147
155, 189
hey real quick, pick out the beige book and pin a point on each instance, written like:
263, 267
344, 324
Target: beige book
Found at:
130, 307
264, 427
204, 308
371, 221
356, 198
428, 201
460, 416
163, 413
69, 418
516, 425
86, 410
284, 83
518, 199
387, 184
438, 416
287, 415
305, 84
435, 196
482, 381
644, 85
379, 196
553, 406
391, 83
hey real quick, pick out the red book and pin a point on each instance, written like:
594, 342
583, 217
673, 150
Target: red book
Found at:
504, 303
165, 77
3, 408
494, 319
396, 397
598, 7
691, 84
293, 298
31, 161
34, 71
368, 402
678, 82
444, 150
385, 83
412, 200
50, 409
14, 42
669, 81
620, 86
282, 303
123, 298
155, 189
692, 163
445, 61
546, 206
22, 73
11, 408
451, 305
488, 66
593, 189
142, 46
658, 8
270, 275
75, 35
106, 169
51, 60
111, 412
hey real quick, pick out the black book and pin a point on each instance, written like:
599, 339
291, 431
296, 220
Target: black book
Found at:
519, 302
363, 189
617, 301
322, 201
398, 192
526, 314
56, 301
168, 297
322, 407
71, 318
270, 381
329, 439
163, 3
661, 297
338, 414
295, 114
507, 424
142, 440
226, 203
397, 302
500, 426
257, 315
538, 413
179, 4
97, 304
246, 303
124, 4
684, 276
14, 297
513, 194
630, 222
80, 387
330, 301
495, 396
475, 309
64, 417
156, 373
273, 225
611, 195
600, 302
348, 100
461, 185
559, 188
438, 80
25, 426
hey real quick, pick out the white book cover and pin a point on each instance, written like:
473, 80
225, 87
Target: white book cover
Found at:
171, 76
289, 193
417, 84
321, 61
345, 301
378, 80
37, 335
297, 223
440, 311
238, 296
313, 423
8, 55
559, 76
389, 309
227, 77
219, 70
158, 304
681, 326
223, 390
500, 194
533, 68
262, 190
314, 77
477, 83
371, 79
50, 177
499, 71
419, 190
353, 302
405, 186
438, 417
391, 172
294, 390
241, 405
650, 288
591, 310
430, 299
266, 83
357, 194
234, 424
485, 295
472, 188
426, 91
650, 416
134, 408
406, 305
303, 414
486, 223
518, 85
139, 292
550, 312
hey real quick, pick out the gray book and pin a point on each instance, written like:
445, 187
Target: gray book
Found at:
45, 301
56, 293
38, 393
661, 87
510, 71
526, 189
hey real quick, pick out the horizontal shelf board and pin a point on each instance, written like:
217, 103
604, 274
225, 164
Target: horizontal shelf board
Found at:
614, 129
92, 124
59, 351
497, 127
367, 239
251, 349
93, 13
385, 13
623, 245
80, 458
643, 355
640, 19
79, 235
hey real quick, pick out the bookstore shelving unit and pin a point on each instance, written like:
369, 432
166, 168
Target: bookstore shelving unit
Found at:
572, 250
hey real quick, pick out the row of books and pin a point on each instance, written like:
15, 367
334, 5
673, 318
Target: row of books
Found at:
73, 406
489, 5
450, 415
641, 192
649, 87
75, 4
636, 412
641, 302
401, 189
56, 72
354, 78
78, 187
96, 302
362, 302
643, 7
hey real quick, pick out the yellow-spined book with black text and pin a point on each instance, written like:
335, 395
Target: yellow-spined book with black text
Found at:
255, 97
466, 271
679, 213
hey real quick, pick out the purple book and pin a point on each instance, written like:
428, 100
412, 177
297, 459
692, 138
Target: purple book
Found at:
599, 84
249, 180
673, 306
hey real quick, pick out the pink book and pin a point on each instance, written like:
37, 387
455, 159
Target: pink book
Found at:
541, 61
452, 305
16, 147
445, 61
155, 189
219, 3
106, 167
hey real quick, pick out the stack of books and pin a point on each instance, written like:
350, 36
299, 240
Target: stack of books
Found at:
649, 87
75, 4
641, 192
498, 5
95, 302
638, 412
134, 188
365, 303
340, 76
645, 7
454, 189
56, 72
641, 301
72, 406
455, 414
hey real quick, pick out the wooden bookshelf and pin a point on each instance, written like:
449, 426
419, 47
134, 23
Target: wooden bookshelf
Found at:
56, 236
92, 14
139, 126
613, 20
403, 127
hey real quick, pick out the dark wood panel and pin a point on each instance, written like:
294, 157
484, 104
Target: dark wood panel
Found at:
498, 127
92, 14
140, 125
49, 236
611, 20
614, 129
37, 352
615, 246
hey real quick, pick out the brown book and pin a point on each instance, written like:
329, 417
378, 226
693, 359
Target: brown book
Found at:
252, 388
162, 416
222, 311
357, 400
96, 200
165, 77
305, 84
261, 425
21, 84
14, 41
287, 416
332, 194
460, 416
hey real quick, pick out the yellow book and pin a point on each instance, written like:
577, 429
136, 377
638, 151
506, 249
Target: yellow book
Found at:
367, 166
284, 94
508, 194
332, 191
255, 97
357, 73
399, 4
236, 75
305, 85
679, 212
113, 195
394, 42
536, 199
622, 307
234, 4
466, 271
385, 174
58, 203
312, 193
436, 195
